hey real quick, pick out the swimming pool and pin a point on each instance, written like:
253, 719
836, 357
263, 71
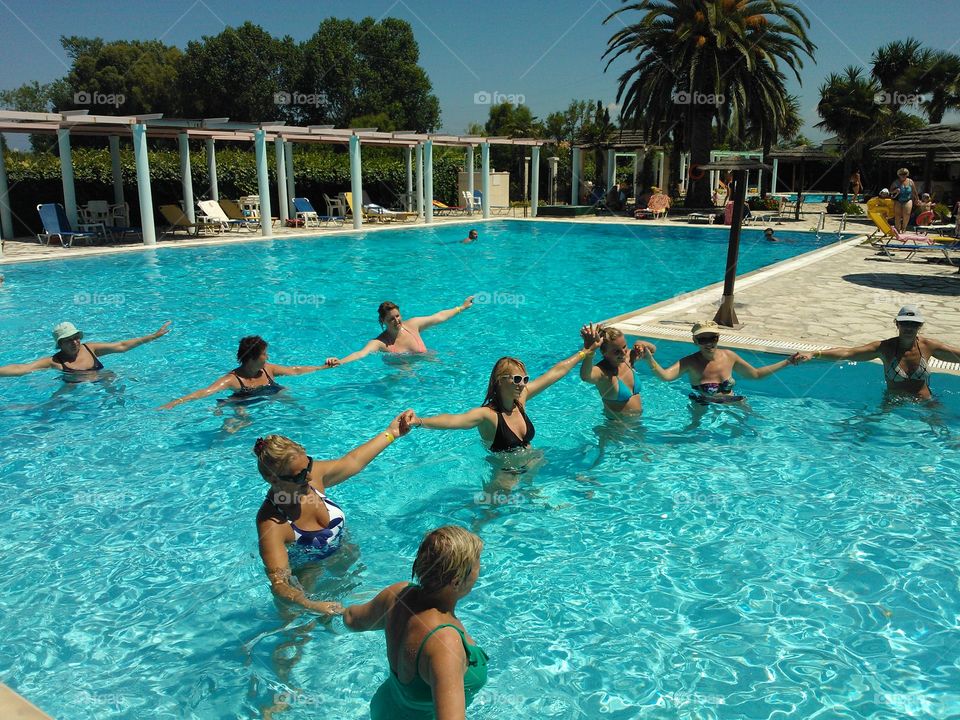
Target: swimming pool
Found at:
794, 558
813, 197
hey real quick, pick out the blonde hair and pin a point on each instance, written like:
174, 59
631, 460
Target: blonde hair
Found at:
609, 335
903, 171
446, 554
493, 386
275, 452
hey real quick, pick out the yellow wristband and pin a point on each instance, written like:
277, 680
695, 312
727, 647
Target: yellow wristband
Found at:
817, 354
389, 436
582, 354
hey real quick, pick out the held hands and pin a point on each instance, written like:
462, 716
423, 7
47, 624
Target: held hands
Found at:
641, 349
591, 336
799, 357
402, 423
328, 609
331, 362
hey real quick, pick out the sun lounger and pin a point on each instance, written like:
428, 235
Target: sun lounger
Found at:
216, 215
233, 212
56, 225
304, 211
376, 213
440, 208
177, 220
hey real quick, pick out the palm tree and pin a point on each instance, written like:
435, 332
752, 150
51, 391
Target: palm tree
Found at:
941, 84
703, 60
850, 109
898, 67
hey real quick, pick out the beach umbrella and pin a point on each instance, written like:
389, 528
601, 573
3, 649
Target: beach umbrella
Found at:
739, 167
934, 143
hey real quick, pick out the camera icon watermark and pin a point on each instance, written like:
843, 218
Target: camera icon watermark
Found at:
686, 498
497, 499
298, 98
297, 298
499, 298
83, 97
899, 99
98, 298
483, 97
684, 97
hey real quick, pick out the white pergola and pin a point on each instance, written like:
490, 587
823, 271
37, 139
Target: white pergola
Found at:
210, 130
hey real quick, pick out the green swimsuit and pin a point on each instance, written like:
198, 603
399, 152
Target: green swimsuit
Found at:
414, 701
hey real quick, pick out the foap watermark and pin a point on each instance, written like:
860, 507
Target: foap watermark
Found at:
683, 97
686, 498
98, 298
295, 698
298, 98
683, 698
496, 498
899, 99
83, 97
496, 97
297, 298
499, 298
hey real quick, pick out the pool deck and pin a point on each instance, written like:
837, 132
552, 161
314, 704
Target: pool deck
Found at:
14, 707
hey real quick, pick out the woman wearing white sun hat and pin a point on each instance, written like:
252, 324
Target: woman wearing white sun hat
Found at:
904, 356
78, 360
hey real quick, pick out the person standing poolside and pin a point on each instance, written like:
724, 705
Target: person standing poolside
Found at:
78, 361
904, 193
436, 668
400, 336
711, 369
614, 376
904, 357
856, 185
254, 378
297, 510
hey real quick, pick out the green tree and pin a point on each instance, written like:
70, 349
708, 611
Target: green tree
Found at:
941, 85
34, 97
694, 57
366, 68
899, 68
244, 74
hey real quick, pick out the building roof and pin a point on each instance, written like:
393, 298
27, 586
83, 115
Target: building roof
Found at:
941, 141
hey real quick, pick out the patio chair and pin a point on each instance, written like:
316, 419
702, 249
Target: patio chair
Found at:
471, 202
56, 225
657, 207
336, 207
911, 243
177, 220
303, 210
497, 209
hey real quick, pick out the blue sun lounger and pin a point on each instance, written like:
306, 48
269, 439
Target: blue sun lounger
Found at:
56, 225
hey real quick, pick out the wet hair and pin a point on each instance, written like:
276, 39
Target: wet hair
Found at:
446, 554
472, 232
768, 230
609, 335
250, 348
385, 308
492, 400
273, 453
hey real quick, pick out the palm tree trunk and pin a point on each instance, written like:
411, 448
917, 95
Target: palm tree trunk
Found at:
701, 138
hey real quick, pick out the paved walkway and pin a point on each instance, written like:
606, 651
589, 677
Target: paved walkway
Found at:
14, 707
844, 294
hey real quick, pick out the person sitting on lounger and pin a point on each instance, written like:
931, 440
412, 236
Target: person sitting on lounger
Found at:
253, 379
904, 357
710, 369
78, 361
399, 335
882, 204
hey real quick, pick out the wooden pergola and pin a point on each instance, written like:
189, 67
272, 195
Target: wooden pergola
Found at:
934, 143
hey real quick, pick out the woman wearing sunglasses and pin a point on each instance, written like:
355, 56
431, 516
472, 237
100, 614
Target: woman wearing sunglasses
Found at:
711, 369
905, 357
502, 418
297, 510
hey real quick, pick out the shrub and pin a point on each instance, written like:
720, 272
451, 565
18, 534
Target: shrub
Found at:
838, 207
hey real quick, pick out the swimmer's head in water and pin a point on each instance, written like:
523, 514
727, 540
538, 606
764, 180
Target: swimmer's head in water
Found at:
473, 235
501, 384
66, 332
275, 456
446, 556
251, 348
389, 313
613, 344
909, 320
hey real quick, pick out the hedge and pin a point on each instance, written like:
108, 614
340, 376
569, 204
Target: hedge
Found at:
34, 178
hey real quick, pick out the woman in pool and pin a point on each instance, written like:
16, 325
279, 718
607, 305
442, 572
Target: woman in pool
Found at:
78, 360
711, 369
614, 376
904, 193
904, 357
252, 379
399, 335
297, 509
502, 419
436, 668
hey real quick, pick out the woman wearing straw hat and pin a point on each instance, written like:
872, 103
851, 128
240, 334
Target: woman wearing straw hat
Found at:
710, 369
77, 360
905, 357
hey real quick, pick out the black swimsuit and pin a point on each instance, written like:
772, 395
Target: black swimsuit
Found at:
97, 365
506, 439
248, 393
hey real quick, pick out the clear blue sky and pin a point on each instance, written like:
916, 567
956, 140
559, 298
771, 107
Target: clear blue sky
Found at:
549, 52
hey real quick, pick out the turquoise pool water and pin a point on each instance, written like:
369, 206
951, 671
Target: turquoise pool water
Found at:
813, 197
793, 558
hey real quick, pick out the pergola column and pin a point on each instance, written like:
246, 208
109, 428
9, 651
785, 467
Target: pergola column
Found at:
408, 161
470, 184
662, 172
534, 180
263, 182
485, 179
211, 148
773, 175
575, 160
6, 217
419, 174
186, 177
282, 183
356, 182
291, 189
144, 191
116, 169
428, 181
611, 168
66, 175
